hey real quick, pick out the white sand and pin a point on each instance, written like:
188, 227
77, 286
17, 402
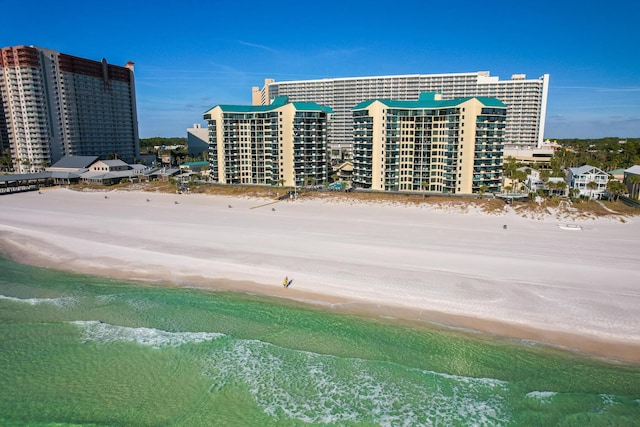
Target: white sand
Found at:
534, 280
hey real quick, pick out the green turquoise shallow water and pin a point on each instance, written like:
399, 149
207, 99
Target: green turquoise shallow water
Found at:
77, 350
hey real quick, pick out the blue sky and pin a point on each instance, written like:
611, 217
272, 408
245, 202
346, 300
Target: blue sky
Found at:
192, 55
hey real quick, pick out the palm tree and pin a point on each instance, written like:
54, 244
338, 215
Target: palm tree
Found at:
309, 181
561, 186
574, 193
615, 188
544, 175
592, 185
5, 159
424, 185
518, 176
634, 180
509, 168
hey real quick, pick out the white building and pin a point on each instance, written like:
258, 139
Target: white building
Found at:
109, 166
526, 99
532, 181
580, 179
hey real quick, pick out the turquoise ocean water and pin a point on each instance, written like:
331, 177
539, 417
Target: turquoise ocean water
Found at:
78, 350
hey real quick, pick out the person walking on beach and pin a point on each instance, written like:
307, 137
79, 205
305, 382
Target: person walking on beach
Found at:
285, 282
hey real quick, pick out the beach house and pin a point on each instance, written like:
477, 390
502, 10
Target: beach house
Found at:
590, 181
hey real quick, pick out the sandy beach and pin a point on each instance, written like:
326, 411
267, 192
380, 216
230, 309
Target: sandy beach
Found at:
579, 289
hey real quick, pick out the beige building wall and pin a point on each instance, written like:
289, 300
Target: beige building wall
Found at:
466, 156
403, 164
285, 124
261, 96
378, 166
216, 115
269, 144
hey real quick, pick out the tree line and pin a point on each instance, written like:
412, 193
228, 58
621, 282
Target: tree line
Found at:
605, 153
147, 144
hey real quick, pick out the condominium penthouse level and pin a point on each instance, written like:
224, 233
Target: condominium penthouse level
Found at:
526, 99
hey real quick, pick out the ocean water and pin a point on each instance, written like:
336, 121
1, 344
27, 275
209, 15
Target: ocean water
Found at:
78, 350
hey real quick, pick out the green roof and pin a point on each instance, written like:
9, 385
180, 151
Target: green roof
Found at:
277, 103
201, 163
427, 100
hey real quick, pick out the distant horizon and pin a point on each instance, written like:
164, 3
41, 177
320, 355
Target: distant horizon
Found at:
184, 67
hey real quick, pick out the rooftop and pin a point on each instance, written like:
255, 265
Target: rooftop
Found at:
430, 100
277, 103
75, 162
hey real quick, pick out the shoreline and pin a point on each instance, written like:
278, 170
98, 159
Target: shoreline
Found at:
611, 351
340, 289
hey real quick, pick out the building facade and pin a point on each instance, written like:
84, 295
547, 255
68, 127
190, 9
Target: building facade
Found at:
284, 143
444, 146
197, 140
526, 99
54, 105
589, 181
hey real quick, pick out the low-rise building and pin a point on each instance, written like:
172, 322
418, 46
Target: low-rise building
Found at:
533, 181
617, 174
343, 171
109, 166
557, 186
68, 169
590, 181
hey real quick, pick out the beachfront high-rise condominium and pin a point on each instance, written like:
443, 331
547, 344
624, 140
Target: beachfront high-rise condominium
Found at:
54, 105
447, 146
526, 99
283, 143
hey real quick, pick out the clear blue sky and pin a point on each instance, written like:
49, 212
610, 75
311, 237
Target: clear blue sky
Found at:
192, 55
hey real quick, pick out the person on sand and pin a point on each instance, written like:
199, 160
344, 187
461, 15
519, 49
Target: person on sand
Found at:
285, 282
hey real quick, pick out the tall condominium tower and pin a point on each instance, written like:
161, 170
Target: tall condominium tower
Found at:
281, 143
526, 99
55, 104
446, 146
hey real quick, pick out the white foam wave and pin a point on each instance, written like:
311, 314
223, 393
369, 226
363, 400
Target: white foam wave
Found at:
542, 396
316, 388
64, 301
155, 338
136, 303
608, 399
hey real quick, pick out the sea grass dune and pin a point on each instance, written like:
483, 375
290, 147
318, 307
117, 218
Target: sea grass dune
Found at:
536, 279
